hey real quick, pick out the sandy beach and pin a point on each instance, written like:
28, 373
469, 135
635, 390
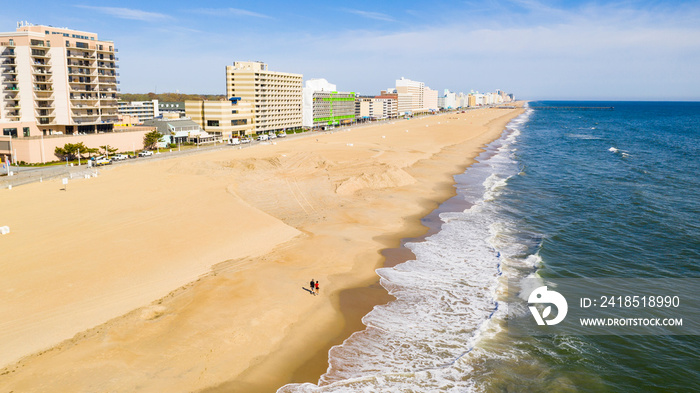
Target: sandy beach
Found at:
191, 273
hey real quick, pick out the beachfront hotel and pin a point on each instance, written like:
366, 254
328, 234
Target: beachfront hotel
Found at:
225, 119
375, 108
323, 106
58, 86
57, 80
413, 97
275, 96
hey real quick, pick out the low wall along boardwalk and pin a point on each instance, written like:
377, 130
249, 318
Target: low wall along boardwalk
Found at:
37, 149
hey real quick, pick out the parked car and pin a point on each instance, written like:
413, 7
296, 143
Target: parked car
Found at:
119, 157
145, 153
245, 140
272, 135
282, 134
234, 141
101, 161
263, 137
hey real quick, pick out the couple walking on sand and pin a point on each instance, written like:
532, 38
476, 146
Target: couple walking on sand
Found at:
314, 287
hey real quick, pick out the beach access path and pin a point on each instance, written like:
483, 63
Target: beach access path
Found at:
189, 274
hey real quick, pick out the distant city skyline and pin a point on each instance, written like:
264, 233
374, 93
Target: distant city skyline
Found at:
637, 50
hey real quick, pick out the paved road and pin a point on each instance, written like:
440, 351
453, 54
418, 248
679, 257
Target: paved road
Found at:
26, 175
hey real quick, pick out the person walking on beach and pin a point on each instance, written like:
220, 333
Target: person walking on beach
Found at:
313, 285
316, 288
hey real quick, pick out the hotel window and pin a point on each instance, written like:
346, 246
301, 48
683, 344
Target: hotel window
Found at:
10, 131
25, 131
212, 123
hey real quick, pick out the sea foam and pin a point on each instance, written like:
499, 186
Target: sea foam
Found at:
445, 298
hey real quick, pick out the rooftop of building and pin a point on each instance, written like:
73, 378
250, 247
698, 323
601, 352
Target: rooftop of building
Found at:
166, 126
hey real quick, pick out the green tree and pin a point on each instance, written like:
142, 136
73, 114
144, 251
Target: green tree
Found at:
108, 150
150, 139
71, 150
92, 150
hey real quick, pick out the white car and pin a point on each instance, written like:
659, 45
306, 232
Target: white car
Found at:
145, 153
263, 137
101, 161
245, 140
119, 157
273, 135
282, 135
234, 141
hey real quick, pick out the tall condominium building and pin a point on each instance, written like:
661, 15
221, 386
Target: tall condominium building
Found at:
410, 95
430, 99
414, 97
56, 80
375, 108
276, 96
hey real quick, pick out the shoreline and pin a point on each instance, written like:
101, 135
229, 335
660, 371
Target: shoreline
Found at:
355, 302
202, 341
421, 226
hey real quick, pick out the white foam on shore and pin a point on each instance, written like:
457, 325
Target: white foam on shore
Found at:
445, 298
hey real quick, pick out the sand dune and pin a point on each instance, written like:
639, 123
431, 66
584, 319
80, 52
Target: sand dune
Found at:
189, 273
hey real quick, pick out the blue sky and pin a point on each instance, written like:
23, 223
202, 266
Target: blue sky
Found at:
644, 50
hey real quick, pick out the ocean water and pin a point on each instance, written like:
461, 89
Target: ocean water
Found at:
567, 191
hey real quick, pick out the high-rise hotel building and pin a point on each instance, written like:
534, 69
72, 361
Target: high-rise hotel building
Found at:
56, 80
276, 96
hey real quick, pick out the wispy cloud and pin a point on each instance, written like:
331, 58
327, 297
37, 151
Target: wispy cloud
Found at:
371, 15
127, 13
231, 11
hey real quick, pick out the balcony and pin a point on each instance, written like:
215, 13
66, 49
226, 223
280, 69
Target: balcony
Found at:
9, 44
78, 108
9, 61
41, 64
41, 71
8, 53
86, 80
42, 79
44, 113
79, 55
79, 72
43, 93
85, 98
81, 64
105, 49
83, 88
41, 55
45, 120
10, 88
90, 48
